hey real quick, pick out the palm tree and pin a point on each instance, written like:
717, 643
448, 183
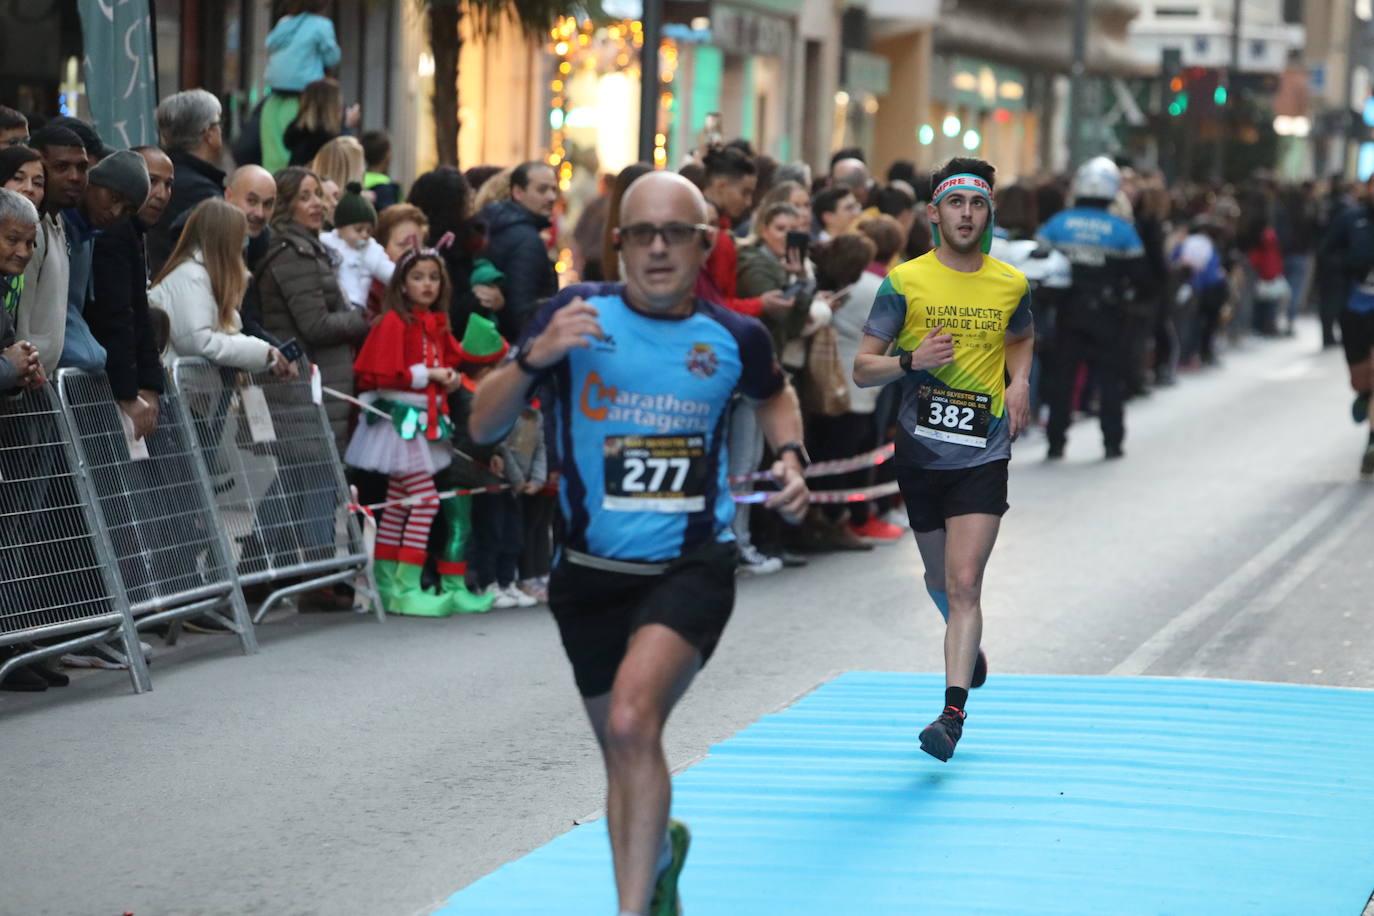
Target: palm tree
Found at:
534, 18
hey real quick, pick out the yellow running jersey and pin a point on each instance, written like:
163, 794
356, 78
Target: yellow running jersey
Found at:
953, 416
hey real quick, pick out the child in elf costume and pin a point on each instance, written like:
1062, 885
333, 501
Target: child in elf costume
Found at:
518, 461
407, 367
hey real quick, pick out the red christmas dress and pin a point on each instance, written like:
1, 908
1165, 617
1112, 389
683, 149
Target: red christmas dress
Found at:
392, 374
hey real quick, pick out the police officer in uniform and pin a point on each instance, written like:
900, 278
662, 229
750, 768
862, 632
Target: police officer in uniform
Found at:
1108, 265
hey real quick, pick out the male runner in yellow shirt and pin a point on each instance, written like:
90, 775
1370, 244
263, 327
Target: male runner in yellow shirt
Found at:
961, 322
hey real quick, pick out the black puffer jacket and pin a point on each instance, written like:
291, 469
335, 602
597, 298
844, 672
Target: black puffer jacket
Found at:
517, 249
301, 300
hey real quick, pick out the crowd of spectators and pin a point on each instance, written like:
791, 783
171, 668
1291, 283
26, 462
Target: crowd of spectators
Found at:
119, 261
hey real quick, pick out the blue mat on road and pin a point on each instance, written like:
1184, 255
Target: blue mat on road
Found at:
1084, 795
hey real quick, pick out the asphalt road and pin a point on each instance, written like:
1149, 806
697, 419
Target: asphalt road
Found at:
361, 768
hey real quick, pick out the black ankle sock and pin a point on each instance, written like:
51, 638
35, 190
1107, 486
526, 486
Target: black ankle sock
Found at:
956, 697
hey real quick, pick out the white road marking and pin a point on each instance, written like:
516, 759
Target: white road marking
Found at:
1228, 589
1276, 594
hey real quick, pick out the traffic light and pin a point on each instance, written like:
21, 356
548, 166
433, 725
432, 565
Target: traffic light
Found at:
1179, 105
1219, 96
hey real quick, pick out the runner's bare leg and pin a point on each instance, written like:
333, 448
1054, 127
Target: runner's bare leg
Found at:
965, 543
629, 721
931, 544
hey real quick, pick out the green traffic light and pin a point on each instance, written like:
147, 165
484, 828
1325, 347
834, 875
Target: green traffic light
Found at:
1179, 105
1220, 95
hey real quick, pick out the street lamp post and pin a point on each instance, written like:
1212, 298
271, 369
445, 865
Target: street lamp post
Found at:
648, 78
1077, 89
1226, 122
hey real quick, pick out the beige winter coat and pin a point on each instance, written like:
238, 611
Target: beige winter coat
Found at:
42, 316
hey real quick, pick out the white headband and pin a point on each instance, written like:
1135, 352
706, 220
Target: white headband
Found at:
954, 182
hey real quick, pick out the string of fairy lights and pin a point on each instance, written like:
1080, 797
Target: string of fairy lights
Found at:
582, 45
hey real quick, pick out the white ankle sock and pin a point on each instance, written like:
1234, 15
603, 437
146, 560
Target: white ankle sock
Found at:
665, 856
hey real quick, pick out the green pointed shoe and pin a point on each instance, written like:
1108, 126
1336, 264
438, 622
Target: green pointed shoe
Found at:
410, 599
384, 577
461, 599
666, 901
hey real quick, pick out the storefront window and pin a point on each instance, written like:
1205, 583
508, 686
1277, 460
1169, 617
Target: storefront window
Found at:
36, 42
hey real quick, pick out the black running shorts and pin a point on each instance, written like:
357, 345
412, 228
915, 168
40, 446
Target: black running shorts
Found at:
598, 610
932, 496
1357, 335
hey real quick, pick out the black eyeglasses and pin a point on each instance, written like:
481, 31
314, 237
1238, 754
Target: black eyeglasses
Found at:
17, 141
642, 235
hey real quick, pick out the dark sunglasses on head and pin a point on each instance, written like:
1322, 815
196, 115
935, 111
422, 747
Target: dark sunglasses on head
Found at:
642, 235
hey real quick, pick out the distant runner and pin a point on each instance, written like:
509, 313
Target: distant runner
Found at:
961, 321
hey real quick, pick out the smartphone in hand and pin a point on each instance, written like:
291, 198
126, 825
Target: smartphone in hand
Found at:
292, 350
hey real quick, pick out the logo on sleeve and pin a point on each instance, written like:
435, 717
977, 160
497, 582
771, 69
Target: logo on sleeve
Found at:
702, 360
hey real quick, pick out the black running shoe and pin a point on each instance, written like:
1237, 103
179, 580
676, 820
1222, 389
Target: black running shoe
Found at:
1367, 463
1055, 453
1359, 410
980, 671
939, 737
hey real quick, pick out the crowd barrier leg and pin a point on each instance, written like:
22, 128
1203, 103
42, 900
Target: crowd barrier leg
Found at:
274, 469
155, 504
60, 583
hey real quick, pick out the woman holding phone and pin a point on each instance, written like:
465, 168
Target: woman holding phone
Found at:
767, 265
300, 291
776, 260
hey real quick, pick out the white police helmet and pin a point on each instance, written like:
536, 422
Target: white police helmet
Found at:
1096, 179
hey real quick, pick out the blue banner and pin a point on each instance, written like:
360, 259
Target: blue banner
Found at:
121, 85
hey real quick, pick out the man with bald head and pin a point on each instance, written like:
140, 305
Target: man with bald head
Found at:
253, 190
638, 379
852, 174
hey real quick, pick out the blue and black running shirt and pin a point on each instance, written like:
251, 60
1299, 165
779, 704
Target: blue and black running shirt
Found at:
640, 422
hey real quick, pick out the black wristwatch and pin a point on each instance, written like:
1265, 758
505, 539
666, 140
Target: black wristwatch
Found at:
796, 448
522, 358
904, 360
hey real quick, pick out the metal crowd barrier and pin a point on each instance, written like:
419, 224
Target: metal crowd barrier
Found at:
59, 582
154, 499
276, 474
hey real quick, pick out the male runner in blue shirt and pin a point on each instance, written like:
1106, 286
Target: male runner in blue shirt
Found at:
642, 375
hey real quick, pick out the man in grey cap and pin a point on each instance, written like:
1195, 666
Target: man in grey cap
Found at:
117, 187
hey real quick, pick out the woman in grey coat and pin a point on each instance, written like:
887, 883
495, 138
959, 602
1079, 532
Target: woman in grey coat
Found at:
300, 293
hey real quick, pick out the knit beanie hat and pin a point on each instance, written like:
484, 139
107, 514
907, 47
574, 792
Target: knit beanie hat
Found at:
482, 343
123, 171
95, 147
354, 208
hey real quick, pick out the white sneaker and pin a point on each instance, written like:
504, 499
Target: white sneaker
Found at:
517, 598
755, 563
502, 598
897, 517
